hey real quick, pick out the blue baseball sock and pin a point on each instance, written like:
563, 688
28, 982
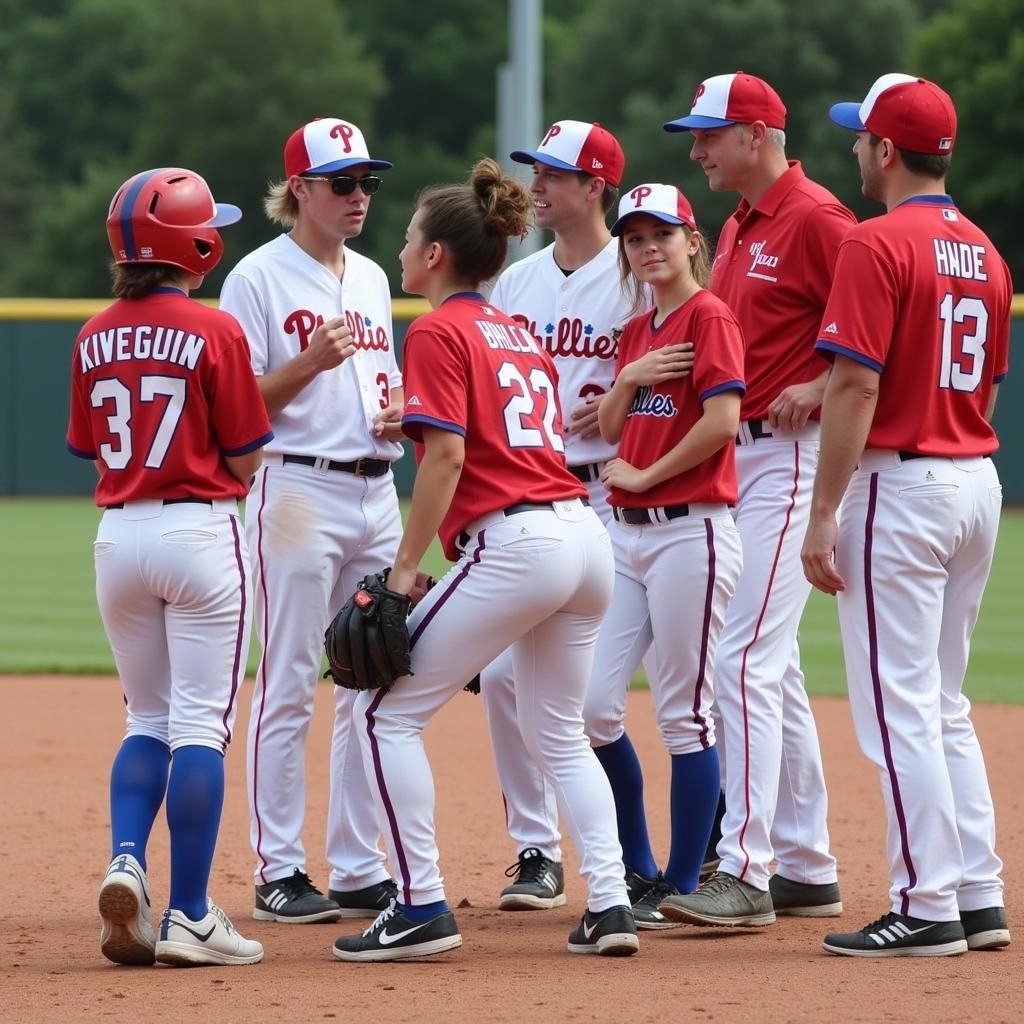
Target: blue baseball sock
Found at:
195, 796
138, 780
424, 912
622, 767
696, 785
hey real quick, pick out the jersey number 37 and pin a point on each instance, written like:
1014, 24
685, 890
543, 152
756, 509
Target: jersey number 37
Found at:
119, 420
531, 411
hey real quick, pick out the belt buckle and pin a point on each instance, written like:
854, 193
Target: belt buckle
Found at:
358, 470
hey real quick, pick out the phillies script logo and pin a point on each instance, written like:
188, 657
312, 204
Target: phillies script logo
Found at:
555, 129
571, 338
701, 89
343, 132
647, 403
365, 334
639, 194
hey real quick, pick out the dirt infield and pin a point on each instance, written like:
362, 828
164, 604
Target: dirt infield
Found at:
62, 734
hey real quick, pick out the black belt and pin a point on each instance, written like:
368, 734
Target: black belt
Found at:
907, 456
640, 516
175, 501
757, 430
523, 506
588, 472
361, 467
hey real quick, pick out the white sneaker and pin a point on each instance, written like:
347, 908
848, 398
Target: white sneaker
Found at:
127, 935
211, 941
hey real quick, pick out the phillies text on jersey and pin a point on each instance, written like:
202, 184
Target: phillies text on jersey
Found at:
922, 296
576, 319
660, 417
161, 389
473, 370
280, 295
773, 268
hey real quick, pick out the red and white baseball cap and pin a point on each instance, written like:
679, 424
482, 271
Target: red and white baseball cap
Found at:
732, 99
325, 146
665, 202
913, 112
578, 146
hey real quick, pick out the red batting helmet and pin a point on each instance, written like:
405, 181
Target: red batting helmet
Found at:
168, 215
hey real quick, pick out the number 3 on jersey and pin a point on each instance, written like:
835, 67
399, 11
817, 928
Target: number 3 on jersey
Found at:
521, 408
962, 362
119, 422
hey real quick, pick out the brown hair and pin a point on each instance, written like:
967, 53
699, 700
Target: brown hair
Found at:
135, 280
475, 220
926, 165
609, 198
700, 267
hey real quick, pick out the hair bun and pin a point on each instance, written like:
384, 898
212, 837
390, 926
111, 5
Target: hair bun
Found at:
506, 203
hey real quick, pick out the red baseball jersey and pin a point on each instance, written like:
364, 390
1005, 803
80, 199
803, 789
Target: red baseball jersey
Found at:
161, 389
659, 417
473, 370
773, 268
922, 296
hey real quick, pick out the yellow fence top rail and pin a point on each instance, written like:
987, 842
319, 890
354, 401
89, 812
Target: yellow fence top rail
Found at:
78, 310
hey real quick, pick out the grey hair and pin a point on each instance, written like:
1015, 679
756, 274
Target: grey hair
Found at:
775, 135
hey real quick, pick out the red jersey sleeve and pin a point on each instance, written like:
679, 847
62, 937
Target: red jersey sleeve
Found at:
862, 331
436, 384
237, 411
717, 356
824, 231
80, 439
1002, 346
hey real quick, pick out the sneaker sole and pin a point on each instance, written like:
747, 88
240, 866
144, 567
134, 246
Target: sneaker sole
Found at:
943, 949
655, 926
323, 916
820, 910
184, 954
449, 942
994, 938
357, 912
524, 901
615, 944
122, 940
715, 921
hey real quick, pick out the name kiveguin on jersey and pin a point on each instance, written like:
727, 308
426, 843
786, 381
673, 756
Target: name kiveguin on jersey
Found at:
141, 341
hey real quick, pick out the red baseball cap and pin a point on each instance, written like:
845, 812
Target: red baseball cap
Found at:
913, 112
665, 202
326, 146
578, 146
732, 99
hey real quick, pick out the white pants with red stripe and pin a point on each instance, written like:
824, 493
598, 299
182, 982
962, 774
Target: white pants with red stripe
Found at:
915, 547
673, 583
172, 582
313, 535
538, 581
775, 799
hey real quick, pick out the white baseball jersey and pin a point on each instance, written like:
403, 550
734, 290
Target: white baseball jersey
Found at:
576, 318
280, 294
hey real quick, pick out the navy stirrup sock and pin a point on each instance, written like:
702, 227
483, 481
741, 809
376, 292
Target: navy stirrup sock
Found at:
696, 785
424, 912
138, 781
195, 796
626, 777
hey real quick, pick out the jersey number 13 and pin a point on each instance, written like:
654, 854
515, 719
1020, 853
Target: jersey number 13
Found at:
963, 351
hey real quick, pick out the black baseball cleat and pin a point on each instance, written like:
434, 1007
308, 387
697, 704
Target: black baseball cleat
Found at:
647, 909
899, 935
539, 883
985, 929
609, 933
367, 902
394, 937
294, 900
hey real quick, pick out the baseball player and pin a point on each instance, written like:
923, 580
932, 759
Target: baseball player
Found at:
323, 511
533, 570
570, 298
678, 553
906, 437
773, 268
164, 401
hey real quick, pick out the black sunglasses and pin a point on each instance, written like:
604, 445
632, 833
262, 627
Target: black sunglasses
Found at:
345, 184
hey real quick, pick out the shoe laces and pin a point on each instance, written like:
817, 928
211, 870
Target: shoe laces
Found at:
212, 908
883, 922
298, 884
719, 882
530, 866
660, 888
383, 917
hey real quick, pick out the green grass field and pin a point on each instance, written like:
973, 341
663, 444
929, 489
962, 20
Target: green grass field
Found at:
49, 621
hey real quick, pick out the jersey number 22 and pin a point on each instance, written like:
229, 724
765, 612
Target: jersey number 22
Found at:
521, 409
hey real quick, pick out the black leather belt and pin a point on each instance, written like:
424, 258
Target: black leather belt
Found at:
361, 467
588, 472
758, 429
641, 516
907, 456
175, 501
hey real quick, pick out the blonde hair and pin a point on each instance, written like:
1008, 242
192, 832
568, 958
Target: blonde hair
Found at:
474, 220
280, 204
700, 267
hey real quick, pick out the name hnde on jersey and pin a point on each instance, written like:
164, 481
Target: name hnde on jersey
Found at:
958, 259
141, 341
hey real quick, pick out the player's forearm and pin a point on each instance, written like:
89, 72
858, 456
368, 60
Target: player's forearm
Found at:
991, 410
281, 386
715, 429
846, 414
611, 416
244, 466
437, 477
